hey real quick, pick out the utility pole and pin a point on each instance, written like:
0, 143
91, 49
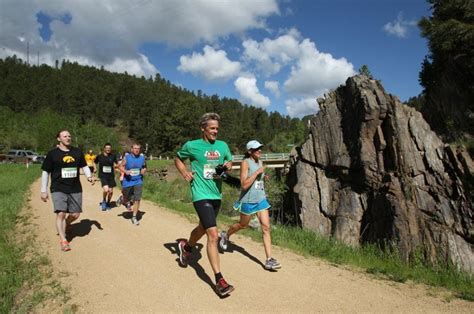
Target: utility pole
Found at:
28, 52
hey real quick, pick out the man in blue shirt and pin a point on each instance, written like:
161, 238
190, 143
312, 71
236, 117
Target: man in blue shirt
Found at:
134, 168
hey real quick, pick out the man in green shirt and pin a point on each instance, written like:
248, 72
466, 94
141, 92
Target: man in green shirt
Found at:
205, 154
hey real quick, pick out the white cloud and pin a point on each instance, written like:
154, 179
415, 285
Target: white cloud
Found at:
273, 86
312, 72
271, 54
316, 72
111, 32
300, 107
399, 27
212, 64
139, 67
247, 87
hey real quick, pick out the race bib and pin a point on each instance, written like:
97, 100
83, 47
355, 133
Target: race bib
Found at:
107, 169
259, 185
69, 173
209, 171
134, 172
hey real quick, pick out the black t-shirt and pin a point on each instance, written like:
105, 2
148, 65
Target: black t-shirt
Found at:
64, 169
106, 165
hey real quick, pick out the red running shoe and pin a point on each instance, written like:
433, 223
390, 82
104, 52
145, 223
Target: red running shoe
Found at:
223, 288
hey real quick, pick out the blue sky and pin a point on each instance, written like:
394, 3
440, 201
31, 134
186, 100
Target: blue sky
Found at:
277, 55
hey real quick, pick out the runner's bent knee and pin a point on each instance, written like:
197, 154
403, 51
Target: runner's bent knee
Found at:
212, 234
243, 225
74, 215
265, 227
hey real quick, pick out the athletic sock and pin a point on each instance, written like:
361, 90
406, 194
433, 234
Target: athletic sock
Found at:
218, 276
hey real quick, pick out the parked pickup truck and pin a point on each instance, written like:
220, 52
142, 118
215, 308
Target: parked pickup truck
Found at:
21, 156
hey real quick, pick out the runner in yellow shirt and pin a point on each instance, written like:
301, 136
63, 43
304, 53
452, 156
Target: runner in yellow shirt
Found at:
90, 158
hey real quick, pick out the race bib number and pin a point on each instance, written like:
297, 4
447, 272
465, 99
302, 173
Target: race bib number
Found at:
134, 172
68, 173
259, 185
107, 169
209, 171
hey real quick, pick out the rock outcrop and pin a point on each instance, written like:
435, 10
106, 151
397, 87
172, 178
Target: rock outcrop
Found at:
371, 170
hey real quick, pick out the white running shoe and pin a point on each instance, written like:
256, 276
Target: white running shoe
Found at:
223, 241
272, 264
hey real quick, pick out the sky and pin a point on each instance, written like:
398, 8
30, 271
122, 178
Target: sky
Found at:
279, 55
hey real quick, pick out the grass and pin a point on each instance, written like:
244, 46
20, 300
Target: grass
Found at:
375, 261
175, 195
25, 275
15, 181
156, 164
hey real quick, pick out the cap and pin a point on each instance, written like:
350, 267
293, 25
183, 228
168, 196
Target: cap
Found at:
254, 145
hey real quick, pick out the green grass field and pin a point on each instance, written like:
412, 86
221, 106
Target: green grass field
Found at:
26, 275
15, 181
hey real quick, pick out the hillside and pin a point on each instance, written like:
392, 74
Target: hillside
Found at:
154, 111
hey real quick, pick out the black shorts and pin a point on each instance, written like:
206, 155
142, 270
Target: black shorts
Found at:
110, 181
207, 211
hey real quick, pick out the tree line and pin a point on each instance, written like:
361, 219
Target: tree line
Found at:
37, 101
447, 75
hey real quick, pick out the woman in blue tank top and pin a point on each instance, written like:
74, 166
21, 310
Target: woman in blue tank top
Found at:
253, 200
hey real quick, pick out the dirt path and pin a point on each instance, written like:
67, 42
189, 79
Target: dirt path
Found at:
115, 266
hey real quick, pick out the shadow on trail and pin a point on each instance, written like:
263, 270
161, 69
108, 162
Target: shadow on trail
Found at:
112, 204
231, 247
193, 260
82, 228
128, 215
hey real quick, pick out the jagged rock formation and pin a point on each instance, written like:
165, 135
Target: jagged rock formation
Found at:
372, 170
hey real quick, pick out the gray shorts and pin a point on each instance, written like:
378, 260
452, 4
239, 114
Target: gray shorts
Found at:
68, 203
132, 193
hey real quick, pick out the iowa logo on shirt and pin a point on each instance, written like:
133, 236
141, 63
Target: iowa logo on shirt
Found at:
212, 155
68, 159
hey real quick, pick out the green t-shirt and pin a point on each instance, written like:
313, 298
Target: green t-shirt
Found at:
204, 158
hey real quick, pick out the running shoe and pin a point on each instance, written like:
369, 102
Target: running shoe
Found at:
182, 253
103, 206
254, 223
223, 288
272, 264
119, 201
108, 206
135, 221
65, 246
223, 241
